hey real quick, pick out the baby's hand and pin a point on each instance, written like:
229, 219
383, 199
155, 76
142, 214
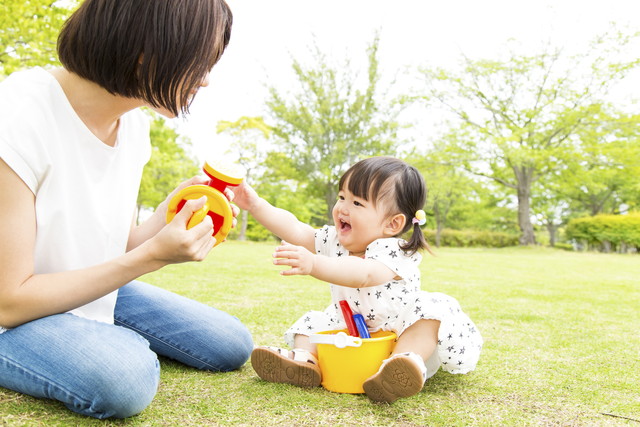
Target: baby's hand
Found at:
297, 257
244, 196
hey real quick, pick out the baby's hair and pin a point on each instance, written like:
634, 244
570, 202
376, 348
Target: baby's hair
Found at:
158, 51
387, 178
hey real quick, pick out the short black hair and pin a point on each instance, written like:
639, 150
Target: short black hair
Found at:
155, 50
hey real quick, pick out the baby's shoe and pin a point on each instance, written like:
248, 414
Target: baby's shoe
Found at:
401, 375
274, 364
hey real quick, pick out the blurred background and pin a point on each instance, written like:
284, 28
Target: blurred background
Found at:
521, 115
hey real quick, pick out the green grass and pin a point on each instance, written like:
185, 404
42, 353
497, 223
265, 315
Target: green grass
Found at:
561, 330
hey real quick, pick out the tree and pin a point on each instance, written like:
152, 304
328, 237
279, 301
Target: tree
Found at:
250, 135
169, 165
28, 33
599, 178
328, 125
447, 187
551, 211
518, 118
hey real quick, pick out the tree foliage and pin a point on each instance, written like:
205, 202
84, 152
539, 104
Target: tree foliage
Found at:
447, 188
329, 124
607, 232
250, 136
603, 173
518, 119
29, 31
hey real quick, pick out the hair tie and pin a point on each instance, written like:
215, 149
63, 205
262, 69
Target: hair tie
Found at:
420, 218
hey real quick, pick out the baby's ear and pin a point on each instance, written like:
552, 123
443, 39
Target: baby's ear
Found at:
394, 225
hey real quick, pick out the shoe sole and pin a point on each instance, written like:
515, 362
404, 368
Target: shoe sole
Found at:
273, 367
400, 377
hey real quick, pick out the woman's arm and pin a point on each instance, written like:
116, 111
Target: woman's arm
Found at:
280, 222
26, 296
350, 271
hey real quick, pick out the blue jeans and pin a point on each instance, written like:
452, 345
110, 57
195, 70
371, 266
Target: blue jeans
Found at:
103, 370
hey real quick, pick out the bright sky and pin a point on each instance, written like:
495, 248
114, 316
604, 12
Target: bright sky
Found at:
268, 33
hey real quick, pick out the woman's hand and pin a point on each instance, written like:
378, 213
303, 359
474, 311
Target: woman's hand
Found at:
297, 257
162, 207
175, 244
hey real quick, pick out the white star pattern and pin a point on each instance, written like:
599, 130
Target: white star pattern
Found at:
395, 305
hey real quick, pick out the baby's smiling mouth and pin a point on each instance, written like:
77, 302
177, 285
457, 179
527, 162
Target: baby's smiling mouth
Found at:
344, 226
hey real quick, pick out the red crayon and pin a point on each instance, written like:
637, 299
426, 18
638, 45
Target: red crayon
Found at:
348, 318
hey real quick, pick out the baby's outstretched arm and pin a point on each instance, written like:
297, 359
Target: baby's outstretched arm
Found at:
350, 271
280, 222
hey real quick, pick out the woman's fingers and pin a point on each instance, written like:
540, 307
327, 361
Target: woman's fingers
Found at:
182, 218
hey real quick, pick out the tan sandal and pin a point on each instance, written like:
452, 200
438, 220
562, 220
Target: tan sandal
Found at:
402, 375
274, 364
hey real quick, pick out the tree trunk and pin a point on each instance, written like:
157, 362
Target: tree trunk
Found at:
243, 228
330, 197
551, 228
440, 220
439, 228
524, 177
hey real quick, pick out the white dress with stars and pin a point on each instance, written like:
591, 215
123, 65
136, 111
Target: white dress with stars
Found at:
396, 305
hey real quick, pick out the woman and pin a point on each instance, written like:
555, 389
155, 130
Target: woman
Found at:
76, 326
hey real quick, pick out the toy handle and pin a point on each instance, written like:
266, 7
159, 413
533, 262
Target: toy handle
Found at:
363, 331
198, 216
340, 340
348, 318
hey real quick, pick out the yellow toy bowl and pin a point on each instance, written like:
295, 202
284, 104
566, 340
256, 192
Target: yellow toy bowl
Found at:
344, 370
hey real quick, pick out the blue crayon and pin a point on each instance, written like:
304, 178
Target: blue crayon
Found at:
358, 319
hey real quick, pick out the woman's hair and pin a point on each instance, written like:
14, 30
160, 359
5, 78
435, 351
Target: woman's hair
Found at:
155, 50
389, 179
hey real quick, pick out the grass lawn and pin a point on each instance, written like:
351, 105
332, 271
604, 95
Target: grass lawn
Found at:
561, 330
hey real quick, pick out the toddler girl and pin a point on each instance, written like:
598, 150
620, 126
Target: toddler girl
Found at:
371, 267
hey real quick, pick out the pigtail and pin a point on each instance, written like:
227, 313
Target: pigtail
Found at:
417, 241
411, 196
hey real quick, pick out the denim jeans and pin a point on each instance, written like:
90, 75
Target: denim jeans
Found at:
103, 370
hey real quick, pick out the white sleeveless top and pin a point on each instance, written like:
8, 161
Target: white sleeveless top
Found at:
85, 191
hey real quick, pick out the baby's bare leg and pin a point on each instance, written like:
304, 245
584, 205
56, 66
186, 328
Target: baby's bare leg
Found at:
420, 338
303, 342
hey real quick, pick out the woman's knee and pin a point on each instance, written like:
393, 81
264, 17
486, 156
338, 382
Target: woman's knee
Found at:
245, 345
122, 384
234, 347
95, 369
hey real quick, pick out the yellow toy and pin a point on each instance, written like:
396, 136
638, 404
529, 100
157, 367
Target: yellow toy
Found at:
347, 362
217, 205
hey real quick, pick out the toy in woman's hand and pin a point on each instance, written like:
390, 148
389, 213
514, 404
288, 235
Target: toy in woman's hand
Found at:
217, 205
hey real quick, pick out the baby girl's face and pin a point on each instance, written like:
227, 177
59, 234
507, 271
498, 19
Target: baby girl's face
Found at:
358, 222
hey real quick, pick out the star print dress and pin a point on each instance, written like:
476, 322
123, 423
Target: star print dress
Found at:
396, 305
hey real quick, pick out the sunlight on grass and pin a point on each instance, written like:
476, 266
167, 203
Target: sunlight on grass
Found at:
560, 329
